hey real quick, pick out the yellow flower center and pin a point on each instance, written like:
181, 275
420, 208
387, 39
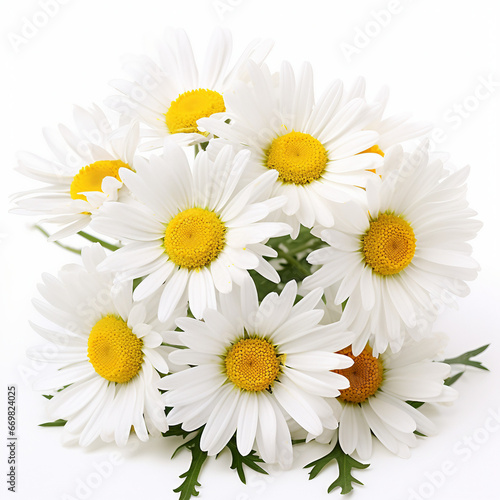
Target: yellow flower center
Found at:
389, 245
90, 178
252, 364
374, 149
194, 238
365, 376
114, 351
299, 158
189, 107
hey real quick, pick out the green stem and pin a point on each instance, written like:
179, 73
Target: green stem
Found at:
312, 244
68, 248
293, 262
93, 239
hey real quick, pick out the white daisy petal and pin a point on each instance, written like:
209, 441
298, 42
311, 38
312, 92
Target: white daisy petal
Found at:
172, 293
101, 394
396, 250
85, 176
247, 423
185, 250
237, 361
376, 400
348, 429
298, 409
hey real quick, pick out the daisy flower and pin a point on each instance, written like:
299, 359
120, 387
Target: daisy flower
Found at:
169, 97
375, 403
84, 175
254, 366
313, 145
193, 231
393, 129
403, 255
108, 352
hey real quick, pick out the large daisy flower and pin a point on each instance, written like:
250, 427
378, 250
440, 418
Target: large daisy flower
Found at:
195, 231
375, 403
313, 145
108, 352
169, 97
253, 367
403, 255
393, 129
84, 174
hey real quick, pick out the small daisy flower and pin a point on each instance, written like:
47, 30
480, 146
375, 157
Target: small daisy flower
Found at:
84, 175
313, 145
401, 256
254, 366
375, 403
193, 231
393, 129
108, 352
169, 97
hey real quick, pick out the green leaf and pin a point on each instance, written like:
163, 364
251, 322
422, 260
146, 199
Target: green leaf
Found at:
465, 359
55, 423
175, 346
48, 396
345, 463
187, 489
176, 430
451, 380
238, 460
415, 404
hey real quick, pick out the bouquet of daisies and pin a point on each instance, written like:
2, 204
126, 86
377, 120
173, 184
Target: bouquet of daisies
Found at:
265, 270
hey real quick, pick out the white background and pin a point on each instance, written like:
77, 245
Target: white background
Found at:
434, 55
